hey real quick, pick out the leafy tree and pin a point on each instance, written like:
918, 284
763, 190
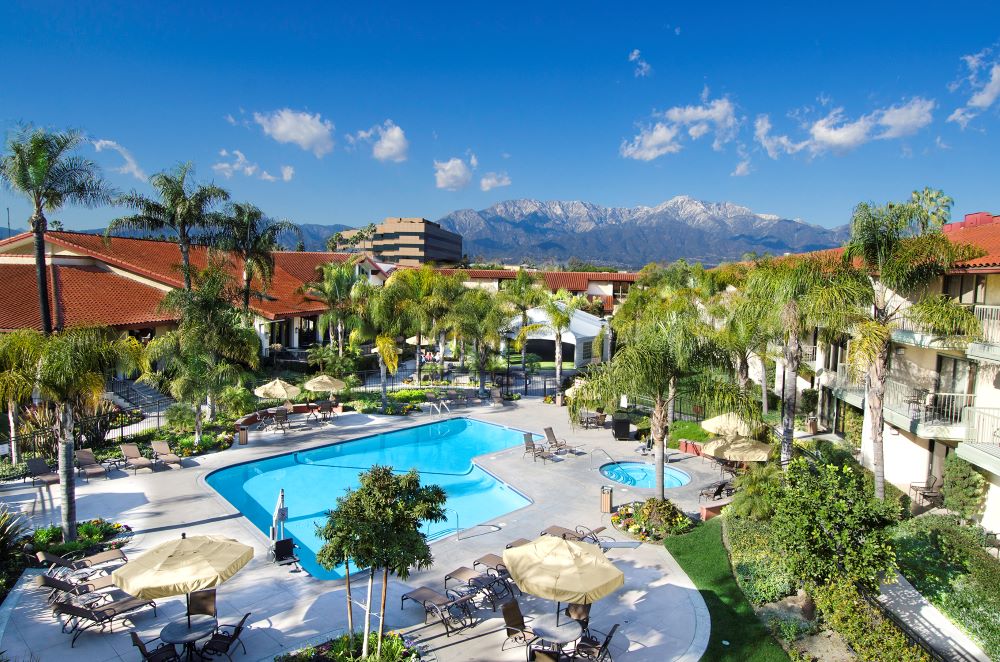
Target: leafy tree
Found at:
964, 488
522, 293
41, 166
933, 209
71, 371
253, 237
334, 289
868, 295
478, 317
559, 309
183, 207
378, 527
830, 526
20, 352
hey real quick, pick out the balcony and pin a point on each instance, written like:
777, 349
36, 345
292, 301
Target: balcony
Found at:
982, 446
849, 386
987, 348
808, 351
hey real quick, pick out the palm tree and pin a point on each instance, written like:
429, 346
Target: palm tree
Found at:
183, 207
252, 236
559, 309
41, 166
478, 317
20, 352
868, 295
447, 290
71, 373
334, 289
521, 294
933, 209
377, 321
416, 300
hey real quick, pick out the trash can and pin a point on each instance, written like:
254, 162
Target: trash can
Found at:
243, 435
812, 425
607, 492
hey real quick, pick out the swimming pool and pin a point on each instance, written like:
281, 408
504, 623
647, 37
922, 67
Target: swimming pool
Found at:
442, 452
641, 474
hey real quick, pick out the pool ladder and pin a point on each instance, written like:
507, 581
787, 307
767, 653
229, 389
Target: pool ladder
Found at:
613, 460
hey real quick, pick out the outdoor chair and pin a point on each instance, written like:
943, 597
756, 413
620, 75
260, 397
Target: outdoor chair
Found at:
162, 653
162, 453
992, 543
86, 566
223, 642
647, 447
929, 485
79, 619
202, 602
496, 399
601, 418
134, 460
580, 614
558, 444
283, 553
579, 534
535, 451
281, 419
326, 410
40, 473
490, 562
454, 610
589, 648
548, 655
88, 466
517, 543
517, 632
714, 491
60, 589
493, 586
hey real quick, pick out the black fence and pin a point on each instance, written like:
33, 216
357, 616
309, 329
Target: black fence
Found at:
911, 634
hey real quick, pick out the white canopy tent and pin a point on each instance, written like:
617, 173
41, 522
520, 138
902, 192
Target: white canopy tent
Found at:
583, 331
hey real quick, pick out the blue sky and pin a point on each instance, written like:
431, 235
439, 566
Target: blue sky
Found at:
347, 115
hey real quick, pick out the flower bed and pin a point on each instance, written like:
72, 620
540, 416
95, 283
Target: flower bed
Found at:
345, 647
652, 519
92, 536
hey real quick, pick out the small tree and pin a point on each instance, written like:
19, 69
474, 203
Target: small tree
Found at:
830, 525
964, 488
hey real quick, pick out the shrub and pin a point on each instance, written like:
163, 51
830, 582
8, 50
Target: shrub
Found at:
685, 430
652, 519
237, 401
757, 492
808, 400
92, 535
409, 395
854, 424
346, 647
964, 488
180, 416
869, 633
758, 560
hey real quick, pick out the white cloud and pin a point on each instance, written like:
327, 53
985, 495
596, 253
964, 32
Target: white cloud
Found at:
651, 142
473, 161
774, 145
235, 162
677, 31
391, 143
452, 174
310, 132
941, 144
287, 172
492, 180
836, 134
268, 177
229, 118
985, 89
642, 68
130, 167
742, 169
906, 118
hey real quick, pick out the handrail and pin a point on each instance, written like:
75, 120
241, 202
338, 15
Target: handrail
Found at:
613, 460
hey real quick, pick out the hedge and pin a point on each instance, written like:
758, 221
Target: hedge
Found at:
758, 562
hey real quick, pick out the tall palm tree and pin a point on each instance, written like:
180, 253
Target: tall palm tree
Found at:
868, 294
41, 166
559, 309
20, 352
377, 321
447, 290
334, 289
933, 209
251, 235
416, 299
182, 207
479, 318
522, 293
71, 373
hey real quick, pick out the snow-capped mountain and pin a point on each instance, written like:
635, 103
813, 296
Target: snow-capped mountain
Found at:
681, 227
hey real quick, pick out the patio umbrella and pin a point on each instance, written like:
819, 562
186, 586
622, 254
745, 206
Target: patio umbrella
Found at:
324, 383
277, 390
424, 341
182, 566
563, 570
572, 390
737, 449
727, 425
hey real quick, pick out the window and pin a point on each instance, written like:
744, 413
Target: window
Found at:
955, 375
966, 288
586, 350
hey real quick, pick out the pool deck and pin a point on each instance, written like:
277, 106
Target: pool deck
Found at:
661, 614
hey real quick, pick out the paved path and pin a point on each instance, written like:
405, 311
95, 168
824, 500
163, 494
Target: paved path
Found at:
661, 614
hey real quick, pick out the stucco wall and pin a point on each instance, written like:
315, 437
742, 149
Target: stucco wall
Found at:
906, 456
991, 514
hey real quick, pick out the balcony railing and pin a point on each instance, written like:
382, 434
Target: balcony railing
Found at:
984, 425
926, 406
808, 351
849, 380
989, 317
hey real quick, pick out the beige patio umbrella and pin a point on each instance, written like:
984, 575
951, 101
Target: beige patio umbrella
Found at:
727, 425
325, 383
277, 390
182, 566
425, 341
737, 449
563, 570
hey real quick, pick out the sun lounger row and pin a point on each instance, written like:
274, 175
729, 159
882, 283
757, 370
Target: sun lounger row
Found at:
551, 447
88, 467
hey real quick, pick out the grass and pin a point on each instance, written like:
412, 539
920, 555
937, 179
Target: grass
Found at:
703, 557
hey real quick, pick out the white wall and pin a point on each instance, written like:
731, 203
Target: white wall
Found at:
991, 514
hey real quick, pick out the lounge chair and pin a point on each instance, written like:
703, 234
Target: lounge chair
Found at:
80, 619
579, 534
559, 444
517, 543
283, 553
534, 450
490, 562
517, 631
451, 608
162, 453
223, 642
714, 491
494, 586
589, 648
134, 460
60, 589
88, 563
40, 473
162, 653
88, 466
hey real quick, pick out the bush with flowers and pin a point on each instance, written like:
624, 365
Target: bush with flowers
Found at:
652, 519
92, 536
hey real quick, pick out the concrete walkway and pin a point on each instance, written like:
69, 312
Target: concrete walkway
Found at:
662, 616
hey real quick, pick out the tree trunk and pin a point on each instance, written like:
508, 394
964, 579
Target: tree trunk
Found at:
350, 602
15, 452
67, 484
381, 613
247, 278
480, 368
368, 613
38, 225
210, 401
340, 337
461, 353
874, 398
385, 386
558, 359
524, 345
185, 247
793, 355
197, 425
743, 373
658, 429
764, 388
419, 355
441, 344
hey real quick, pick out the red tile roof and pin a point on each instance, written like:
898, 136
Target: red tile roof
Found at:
303, 266
574, 281
80, 296
985, 234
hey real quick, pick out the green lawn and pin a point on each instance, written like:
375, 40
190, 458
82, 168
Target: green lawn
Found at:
515, 360
704, 559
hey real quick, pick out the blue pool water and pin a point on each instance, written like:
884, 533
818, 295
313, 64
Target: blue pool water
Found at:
641, 474
442, 452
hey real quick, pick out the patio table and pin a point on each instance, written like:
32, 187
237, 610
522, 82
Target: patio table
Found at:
179, 632
552, 629
313, 412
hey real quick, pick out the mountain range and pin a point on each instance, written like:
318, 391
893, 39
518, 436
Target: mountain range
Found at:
682, 227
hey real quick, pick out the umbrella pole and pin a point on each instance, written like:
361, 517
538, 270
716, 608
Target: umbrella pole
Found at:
187, 597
